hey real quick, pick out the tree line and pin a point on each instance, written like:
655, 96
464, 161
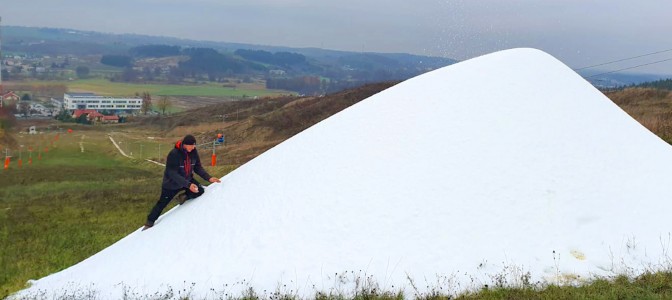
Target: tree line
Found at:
297, 72
665, 84
155, 51
278, 58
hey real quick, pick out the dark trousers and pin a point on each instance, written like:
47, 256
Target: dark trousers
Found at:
167, 195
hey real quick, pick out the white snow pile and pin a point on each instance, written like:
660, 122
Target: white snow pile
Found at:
505, 169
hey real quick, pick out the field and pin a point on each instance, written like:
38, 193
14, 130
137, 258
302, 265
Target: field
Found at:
78, 198
105, 87
181, 96
650, 107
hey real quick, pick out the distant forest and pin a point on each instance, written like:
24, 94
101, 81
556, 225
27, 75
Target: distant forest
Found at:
285, 59
117, 60
154, 51
665, 84
662, 84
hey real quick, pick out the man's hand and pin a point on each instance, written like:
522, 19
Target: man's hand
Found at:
193, 188
214, 179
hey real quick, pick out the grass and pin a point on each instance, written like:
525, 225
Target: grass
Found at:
650, 107
66, 207
646, 286
105, 87
69, 205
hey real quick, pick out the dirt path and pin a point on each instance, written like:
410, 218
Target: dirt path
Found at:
124, 153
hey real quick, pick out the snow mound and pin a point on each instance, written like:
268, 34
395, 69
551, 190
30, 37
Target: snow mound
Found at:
508, 163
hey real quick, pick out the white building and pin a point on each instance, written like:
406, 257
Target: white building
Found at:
92, 101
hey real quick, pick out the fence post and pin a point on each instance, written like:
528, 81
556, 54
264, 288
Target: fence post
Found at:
6, 158
214, 156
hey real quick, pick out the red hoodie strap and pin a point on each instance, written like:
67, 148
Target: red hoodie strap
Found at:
187, 166
187, 160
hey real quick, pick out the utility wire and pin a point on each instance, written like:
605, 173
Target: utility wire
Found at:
637, 66
624, 59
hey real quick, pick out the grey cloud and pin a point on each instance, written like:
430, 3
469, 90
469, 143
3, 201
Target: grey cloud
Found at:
577, 31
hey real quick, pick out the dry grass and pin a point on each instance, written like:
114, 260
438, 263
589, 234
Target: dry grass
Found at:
255, 125
650, 107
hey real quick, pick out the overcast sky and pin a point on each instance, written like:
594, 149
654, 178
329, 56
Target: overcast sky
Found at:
578, 32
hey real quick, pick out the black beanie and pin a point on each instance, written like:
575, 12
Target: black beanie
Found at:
189, 140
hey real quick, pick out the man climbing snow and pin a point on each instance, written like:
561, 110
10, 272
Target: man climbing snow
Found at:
181, 163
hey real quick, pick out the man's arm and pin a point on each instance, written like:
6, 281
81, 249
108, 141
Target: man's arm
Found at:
198, 168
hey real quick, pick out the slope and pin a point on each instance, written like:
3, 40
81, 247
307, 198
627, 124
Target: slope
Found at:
438, 179
254, 126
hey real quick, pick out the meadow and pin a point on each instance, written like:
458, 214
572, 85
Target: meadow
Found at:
71, 203
208, 89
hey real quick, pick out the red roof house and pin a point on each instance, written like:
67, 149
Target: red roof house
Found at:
9, 97
110, 119
92, 115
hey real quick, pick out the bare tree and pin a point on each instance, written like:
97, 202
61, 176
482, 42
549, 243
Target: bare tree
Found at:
164, 103
24, 108
146, 102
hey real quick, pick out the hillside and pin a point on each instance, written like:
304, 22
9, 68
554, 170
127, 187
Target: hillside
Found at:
7, 120
254, 126
132, 58
435, 181
649, 106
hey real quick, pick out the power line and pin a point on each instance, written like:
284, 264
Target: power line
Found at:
637, 66
624, 59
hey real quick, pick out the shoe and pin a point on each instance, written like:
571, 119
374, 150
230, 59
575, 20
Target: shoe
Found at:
181, 198
148, 225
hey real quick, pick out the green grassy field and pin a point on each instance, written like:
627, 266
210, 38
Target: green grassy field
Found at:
105, 87
70, 204
67, 206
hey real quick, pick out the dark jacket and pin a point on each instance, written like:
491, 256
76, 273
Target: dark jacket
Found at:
180, 168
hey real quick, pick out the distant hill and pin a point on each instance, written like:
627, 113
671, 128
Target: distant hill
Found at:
340, 69
303, 70
618, 79
54, 41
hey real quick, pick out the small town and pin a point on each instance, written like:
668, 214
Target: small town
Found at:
86, 107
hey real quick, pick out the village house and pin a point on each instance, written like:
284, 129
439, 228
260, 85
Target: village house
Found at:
110, 119
91, 115
94, 117
90, 112
9, 98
